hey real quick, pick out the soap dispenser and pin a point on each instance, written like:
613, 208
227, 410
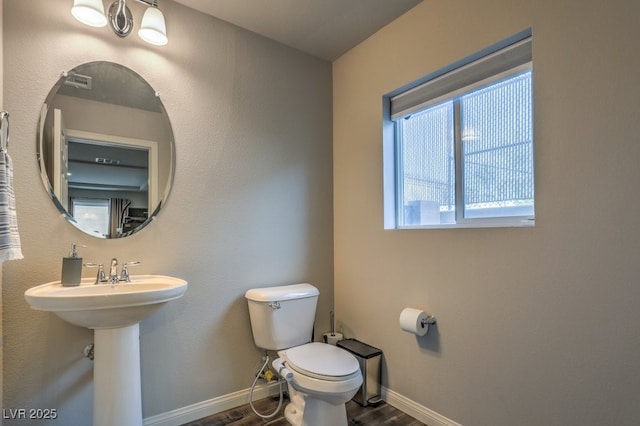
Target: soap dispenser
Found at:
71, 268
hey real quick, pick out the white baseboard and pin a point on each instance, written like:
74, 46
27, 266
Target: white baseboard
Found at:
202, 409
415, 410
225, 402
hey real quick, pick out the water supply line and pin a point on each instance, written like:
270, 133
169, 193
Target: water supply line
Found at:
255, 381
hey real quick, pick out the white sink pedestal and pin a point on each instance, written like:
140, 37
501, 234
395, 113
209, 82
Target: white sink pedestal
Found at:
117, 392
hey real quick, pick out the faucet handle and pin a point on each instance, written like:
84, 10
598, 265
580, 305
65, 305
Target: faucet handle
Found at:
100, 277
124, 275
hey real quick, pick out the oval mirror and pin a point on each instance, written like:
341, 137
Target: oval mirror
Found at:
105, 149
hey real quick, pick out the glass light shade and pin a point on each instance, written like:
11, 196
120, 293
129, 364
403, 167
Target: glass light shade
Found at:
153, 28
89, 12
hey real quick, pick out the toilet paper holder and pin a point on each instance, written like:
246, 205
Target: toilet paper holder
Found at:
429, 320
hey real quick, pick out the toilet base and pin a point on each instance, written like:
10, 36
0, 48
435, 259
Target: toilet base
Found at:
306, 411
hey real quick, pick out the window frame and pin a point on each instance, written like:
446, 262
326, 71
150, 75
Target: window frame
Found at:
392, 156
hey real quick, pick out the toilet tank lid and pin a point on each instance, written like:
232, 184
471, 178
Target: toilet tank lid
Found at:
280, 293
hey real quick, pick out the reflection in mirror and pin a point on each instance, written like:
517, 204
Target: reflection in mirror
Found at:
105, 149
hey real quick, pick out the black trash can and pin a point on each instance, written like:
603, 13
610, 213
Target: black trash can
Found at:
369, 359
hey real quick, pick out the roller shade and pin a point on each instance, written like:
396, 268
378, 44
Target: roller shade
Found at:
416, 98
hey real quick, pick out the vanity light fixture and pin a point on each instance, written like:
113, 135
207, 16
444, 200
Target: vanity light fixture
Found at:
153, 28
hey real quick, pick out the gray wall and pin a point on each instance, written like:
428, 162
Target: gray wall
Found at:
536, 326
1, 107
251, 203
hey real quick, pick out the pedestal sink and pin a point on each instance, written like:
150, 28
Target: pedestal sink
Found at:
114, 312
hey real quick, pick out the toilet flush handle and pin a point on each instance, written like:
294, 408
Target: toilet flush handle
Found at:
274, 305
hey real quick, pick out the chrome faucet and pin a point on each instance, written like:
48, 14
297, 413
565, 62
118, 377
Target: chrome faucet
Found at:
113, 271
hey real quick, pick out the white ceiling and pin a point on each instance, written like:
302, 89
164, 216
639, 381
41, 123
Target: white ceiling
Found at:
323, 28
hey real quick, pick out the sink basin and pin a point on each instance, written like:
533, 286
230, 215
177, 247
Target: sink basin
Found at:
106, 305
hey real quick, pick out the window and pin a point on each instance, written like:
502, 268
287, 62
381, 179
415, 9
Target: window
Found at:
459, 146
92, 215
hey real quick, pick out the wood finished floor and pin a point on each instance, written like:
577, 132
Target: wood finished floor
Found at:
383, 414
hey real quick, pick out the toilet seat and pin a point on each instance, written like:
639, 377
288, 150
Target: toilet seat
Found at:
321, 361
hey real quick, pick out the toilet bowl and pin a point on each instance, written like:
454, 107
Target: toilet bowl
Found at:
324, 378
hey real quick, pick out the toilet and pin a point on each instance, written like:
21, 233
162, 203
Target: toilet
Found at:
321, 377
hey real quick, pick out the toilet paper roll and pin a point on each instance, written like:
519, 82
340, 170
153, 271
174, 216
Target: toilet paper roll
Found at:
411, 320
332, 339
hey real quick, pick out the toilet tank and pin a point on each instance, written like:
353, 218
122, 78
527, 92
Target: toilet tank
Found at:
282, 316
